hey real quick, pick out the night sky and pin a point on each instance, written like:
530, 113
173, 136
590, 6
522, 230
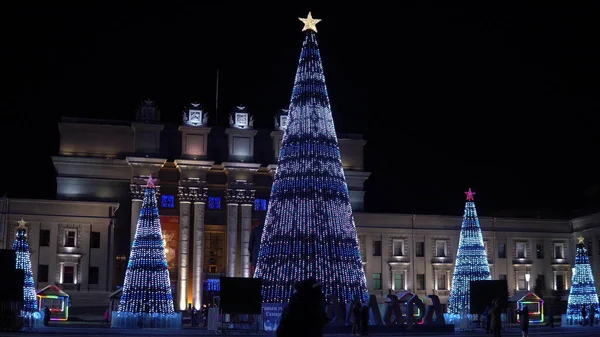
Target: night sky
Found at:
504, 99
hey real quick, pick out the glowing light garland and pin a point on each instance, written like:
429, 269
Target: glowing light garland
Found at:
471, 260
21, 248
147, 286
583, 289
309, 229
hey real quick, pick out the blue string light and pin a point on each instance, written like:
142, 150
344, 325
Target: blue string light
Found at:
583, 290
147, 287
471, 260
21, 248
309, 229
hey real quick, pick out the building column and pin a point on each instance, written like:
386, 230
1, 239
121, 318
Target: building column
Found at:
232, 230
246, 228
61, 274
183, 248
137, 195
404, 279
448, 285
435, 279
554, 285
198, 248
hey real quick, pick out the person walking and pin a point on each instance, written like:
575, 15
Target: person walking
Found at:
550, 317
593, 313
524, 312
305, 314
583, 316
356, 308
487, 320
106, 316
496, 319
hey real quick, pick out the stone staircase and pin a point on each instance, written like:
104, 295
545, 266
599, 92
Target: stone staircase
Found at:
86, 303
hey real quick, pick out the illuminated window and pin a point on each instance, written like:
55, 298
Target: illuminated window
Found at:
167, 201
399, 281
398, 248
521, 253
214, 203
70, 238
376, 281
441, 248
260, 204
559, 250
442, 281
521, 282
68, 274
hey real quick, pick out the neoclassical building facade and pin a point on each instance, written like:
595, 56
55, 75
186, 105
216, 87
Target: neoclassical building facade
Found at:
214, 186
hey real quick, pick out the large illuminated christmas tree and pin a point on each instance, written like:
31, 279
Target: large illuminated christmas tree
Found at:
583, 290
147, 292
309, 229
471, 260
21, 248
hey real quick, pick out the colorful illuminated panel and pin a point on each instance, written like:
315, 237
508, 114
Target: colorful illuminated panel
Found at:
58, 305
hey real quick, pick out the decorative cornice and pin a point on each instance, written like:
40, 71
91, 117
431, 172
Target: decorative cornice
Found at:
192, 194
136, 191
240, 196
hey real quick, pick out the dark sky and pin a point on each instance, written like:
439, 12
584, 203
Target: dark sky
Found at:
500, 99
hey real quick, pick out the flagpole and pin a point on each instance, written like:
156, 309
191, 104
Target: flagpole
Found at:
217, 101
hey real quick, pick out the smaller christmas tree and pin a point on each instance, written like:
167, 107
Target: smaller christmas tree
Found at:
583, 290
147, 300
471, 260
21, 247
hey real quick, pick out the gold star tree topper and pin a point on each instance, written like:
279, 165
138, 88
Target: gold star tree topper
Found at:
22, 223
309, 23
581, 239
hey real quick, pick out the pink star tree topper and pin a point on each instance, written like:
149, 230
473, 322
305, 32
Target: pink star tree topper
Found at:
470, 195
150, 182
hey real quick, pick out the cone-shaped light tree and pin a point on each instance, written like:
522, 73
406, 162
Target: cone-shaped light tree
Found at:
309, 230
147, 287
21, 248
471, 260
583, 289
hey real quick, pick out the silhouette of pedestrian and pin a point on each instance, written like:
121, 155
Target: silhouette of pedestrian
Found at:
524, 320
305, 314
550, 317
593, 313
496, 319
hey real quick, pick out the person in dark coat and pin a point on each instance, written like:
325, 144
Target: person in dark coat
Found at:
550, 317
593, 313
496, 319
524, 320
364, 320
583, 315
487, 320
46, 316
305, 314
356, 313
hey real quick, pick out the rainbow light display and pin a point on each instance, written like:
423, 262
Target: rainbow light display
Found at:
583, 289
309, 229
535, 316
147, 287
471, 260
21, 248
60, 314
